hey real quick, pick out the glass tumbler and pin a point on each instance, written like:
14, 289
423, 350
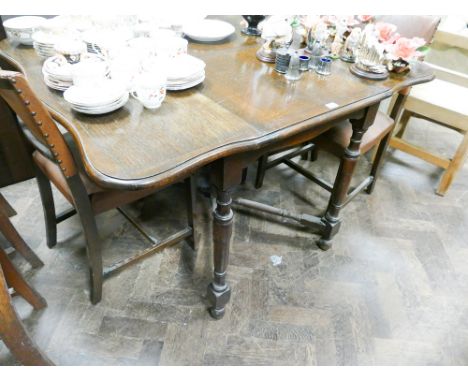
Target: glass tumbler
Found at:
324, 66
304, 63
293, 72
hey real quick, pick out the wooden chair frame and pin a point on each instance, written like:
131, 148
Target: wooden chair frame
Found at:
12, 331
12, 235
43, 133
366, 184
450, 165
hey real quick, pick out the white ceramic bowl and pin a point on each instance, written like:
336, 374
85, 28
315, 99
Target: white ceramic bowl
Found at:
20, 29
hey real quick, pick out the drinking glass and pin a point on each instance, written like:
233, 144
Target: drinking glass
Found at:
293, 72
304, 63
324, 66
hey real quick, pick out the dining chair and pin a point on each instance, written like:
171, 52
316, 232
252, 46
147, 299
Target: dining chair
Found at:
443, 102
12, 331
337, 139
58, 162
13, 237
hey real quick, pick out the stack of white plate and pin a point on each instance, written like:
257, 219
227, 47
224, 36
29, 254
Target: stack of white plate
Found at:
21, 28
107, 97
57, 73
184, 72
44, 43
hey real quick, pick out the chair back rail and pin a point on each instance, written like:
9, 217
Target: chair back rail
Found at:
424, 26
449, 75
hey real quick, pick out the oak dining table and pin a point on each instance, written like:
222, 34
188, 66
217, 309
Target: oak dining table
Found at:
242, 110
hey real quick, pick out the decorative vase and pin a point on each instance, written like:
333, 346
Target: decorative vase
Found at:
252, 27
399, 66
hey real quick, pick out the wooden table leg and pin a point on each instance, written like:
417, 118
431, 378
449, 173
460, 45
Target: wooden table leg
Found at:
225, 174
12, 235
13, 333
344, 177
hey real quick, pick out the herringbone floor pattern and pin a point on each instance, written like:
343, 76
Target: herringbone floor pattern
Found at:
392, 291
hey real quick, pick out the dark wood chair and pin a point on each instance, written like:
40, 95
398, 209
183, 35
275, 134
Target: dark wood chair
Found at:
12, 235
336, 139
12, 331
57, 162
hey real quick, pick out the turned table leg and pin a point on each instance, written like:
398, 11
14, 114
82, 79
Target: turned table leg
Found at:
343, 179
225, 174
219, 291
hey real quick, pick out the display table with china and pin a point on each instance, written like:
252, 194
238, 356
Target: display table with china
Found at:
223, 108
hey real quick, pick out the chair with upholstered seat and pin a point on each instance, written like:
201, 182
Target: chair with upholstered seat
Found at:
337, 139
445, 102
58, 162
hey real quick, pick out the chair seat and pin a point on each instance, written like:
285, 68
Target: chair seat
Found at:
337, 138
440, 101
101, 199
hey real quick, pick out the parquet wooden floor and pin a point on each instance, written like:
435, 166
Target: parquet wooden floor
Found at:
392, 291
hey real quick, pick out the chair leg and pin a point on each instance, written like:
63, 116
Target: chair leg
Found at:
405, 117
16, 281
455, 164
261, 169
13, 333
190, 196
93, 241
306, 155
93, 244
314, 153
48, 206
245, 172
377, 162
6, 207
12, 235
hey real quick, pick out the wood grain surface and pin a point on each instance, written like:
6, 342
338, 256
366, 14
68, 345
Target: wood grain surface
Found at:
242, 105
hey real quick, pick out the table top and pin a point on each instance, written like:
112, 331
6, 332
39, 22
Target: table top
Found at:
242, 105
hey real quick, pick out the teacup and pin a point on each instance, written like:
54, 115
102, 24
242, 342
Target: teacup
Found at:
150, 90
172, 47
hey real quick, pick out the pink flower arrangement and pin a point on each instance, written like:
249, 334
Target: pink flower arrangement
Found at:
365, 18
386, 32
406, 48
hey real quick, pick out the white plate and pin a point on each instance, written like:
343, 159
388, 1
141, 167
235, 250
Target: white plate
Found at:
104, 110
57, 67
44, 38
187, 85
92, 97
186, 80
183, 67
62, 86
209, 30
